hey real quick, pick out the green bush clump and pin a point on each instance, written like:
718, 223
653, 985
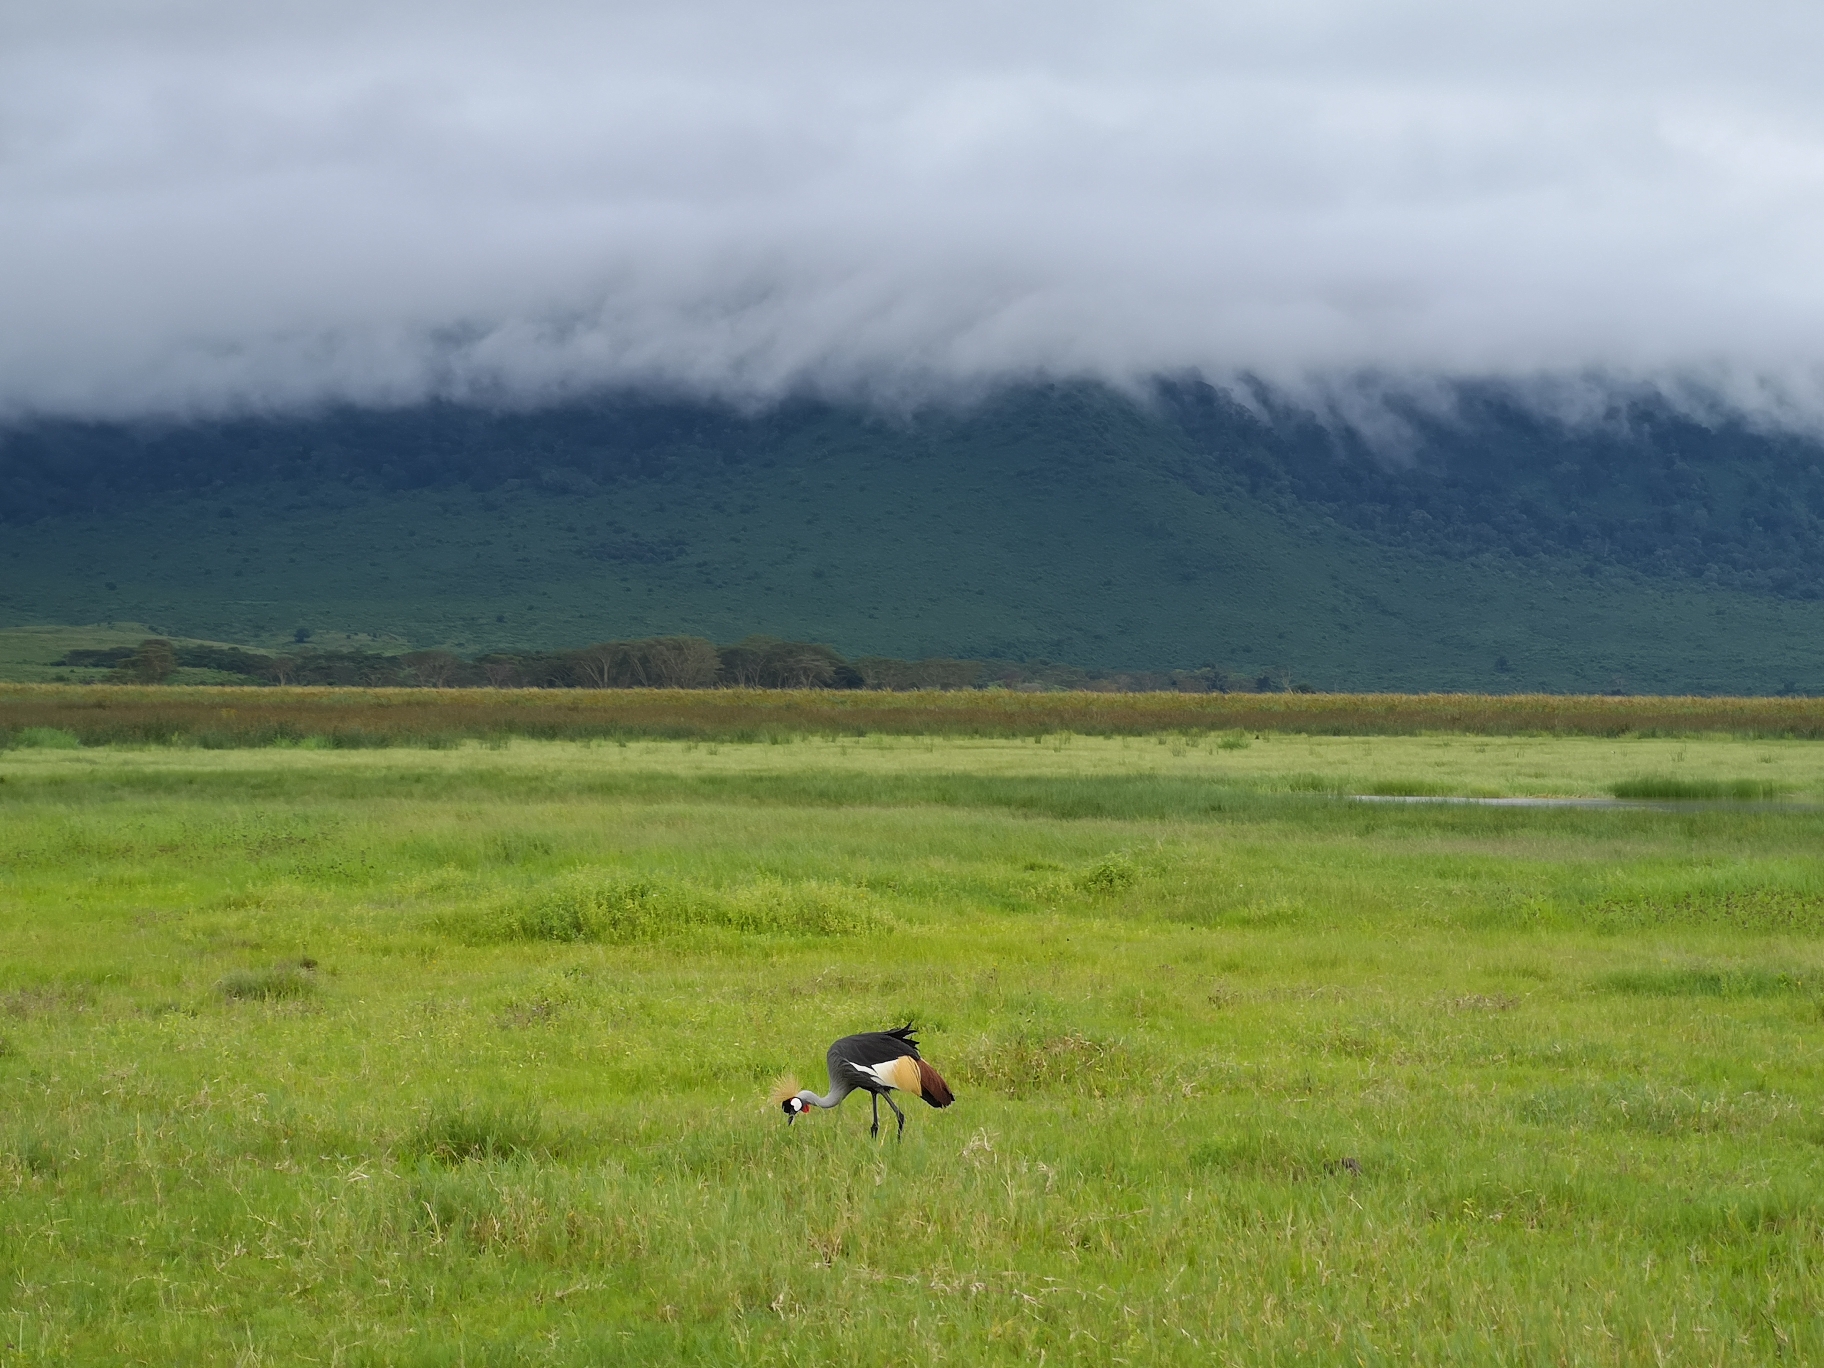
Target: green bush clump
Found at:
1110, 875
46, 738
625, 911
277, 982
568, 914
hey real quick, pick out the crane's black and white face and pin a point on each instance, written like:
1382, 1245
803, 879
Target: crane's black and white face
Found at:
793, 1107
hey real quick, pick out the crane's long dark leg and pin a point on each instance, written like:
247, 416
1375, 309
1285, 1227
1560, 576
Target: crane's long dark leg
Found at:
897, 1112
875, 1128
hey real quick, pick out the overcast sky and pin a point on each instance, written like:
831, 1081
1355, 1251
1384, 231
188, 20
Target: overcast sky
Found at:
221, 204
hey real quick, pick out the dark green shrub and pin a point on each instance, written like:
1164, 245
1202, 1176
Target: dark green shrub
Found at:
1746, 790
34, 1154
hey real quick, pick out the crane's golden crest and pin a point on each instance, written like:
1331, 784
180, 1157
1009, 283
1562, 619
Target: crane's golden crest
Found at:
785, 1087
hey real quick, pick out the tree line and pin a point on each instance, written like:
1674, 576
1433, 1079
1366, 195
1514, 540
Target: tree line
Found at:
665, 662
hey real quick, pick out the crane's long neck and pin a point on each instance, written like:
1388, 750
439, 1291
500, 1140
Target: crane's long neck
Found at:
838, 1091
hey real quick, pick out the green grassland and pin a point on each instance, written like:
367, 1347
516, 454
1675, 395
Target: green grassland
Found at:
460, 1056
1082, 531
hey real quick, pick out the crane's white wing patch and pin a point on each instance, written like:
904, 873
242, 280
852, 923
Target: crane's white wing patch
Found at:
901, 1073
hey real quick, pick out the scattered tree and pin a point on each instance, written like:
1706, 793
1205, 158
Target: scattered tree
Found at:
152, 663
434, 669
677, 662
743, 665
501, 672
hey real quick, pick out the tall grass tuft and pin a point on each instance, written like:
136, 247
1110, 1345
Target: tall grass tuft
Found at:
31, 1154
1267, 1155
1033, 1061
465, 1131
1718, 981
285, 980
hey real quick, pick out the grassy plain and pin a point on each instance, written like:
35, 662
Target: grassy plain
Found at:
459, 1056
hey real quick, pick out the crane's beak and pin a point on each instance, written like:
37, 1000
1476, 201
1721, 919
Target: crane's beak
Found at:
790, 1117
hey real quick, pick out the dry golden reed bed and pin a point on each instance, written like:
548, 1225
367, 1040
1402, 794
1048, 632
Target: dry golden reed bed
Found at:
110, 714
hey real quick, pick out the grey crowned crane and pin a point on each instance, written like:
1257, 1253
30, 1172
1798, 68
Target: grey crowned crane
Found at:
877, 1063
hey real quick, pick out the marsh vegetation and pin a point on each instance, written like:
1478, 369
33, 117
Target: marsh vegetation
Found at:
351, 718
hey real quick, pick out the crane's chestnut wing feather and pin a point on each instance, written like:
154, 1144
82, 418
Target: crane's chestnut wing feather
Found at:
931, 1086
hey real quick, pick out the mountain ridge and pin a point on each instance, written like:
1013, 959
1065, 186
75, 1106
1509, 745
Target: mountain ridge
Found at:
1066, 522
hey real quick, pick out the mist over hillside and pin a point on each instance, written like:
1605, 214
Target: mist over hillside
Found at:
1484, 544
225, 207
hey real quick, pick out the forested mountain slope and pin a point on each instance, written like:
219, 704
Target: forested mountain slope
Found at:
1492, 550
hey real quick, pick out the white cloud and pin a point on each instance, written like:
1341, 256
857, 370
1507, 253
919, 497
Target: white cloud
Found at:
212, 205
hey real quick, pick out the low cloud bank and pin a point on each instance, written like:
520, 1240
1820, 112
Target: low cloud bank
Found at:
214, 207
